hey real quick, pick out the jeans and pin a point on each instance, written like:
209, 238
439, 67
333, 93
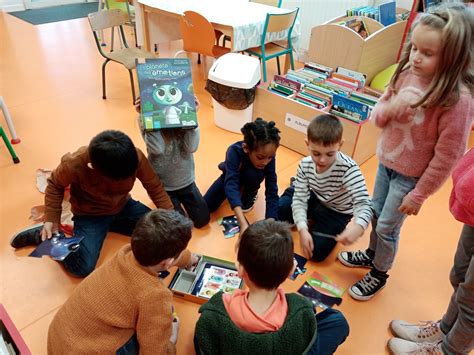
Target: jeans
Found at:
94, 229
131, 347
458, 322
325, 220
333, 330
250, 181
191, 200
389, 191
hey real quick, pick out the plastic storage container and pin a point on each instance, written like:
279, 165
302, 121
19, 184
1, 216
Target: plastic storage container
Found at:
232, 82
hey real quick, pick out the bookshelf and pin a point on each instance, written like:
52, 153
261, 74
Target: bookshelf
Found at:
291, 117
336, 45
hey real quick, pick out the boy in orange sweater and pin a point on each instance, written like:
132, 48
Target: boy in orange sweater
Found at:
123, 306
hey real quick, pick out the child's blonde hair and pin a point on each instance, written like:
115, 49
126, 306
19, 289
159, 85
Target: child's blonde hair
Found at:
456, 23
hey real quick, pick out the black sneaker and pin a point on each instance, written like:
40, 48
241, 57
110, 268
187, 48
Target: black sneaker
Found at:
248, 203
366, 288
359, 258
27, 236
292, 181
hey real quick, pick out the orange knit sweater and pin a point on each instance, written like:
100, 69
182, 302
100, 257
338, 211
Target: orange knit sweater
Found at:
114, 302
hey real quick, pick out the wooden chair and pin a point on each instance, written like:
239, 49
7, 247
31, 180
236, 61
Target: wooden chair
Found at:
199, 36
126, 56
276, 23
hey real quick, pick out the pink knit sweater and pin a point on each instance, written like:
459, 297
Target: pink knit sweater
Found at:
461, 202
421, 143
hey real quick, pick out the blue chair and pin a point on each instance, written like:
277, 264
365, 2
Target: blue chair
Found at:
276, 23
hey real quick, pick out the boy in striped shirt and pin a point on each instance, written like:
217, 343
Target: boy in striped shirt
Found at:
329, 191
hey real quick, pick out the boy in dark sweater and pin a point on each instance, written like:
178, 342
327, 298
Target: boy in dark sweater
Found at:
100, 177
264, 319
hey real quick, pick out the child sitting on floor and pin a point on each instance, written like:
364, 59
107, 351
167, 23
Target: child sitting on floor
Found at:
265, 320
247, 164
123, 307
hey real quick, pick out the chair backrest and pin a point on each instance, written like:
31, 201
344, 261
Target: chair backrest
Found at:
106, 19
280, 22
198, 33
276, 3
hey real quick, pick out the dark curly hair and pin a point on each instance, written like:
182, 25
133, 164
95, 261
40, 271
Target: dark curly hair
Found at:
259, 133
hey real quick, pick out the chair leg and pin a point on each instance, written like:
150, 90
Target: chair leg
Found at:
199, 58
264, 67
15, 158
278, 65
292, 62
8, 118
103, 79
133, 86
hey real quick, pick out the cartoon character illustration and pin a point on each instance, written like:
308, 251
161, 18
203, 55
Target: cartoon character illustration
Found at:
169, 95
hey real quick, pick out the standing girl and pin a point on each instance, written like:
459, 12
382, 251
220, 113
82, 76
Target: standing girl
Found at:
425, 115
246, 165
170, 152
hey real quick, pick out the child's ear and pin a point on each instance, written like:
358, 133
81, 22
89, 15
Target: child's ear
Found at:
89, 165
341, 144
306, 141
167, 263
245, 148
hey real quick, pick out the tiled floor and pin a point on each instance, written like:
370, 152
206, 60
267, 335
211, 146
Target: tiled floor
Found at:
50, 79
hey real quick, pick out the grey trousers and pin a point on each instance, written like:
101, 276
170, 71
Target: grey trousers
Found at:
458, 322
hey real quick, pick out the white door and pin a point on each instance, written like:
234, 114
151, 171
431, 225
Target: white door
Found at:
36, 4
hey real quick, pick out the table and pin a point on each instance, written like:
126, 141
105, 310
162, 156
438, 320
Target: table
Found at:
158, 20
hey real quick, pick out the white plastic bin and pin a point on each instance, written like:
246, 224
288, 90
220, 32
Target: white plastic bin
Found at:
238, 71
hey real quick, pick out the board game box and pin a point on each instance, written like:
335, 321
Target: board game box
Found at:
209, 276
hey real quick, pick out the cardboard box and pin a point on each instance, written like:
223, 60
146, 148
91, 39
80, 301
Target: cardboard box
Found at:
292, 118
210, 276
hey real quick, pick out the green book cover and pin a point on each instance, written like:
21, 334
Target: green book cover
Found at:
166, 93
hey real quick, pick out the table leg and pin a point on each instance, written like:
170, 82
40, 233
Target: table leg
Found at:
145, 28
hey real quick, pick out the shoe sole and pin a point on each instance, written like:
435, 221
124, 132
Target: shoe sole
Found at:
348, 264
363, 298
24, 230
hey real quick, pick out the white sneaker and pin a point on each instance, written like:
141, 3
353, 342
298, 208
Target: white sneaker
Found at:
399, 346
424, 332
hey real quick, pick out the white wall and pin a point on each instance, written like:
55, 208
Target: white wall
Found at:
11, 5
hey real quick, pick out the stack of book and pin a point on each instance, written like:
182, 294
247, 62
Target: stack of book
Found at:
322, 88
357, 25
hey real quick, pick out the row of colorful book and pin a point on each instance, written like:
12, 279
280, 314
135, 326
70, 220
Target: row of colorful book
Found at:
338, 91
384, 13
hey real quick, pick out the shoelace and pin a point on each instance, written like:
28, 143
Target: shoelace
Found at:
428, 349
368, 283
360, 256
427, 329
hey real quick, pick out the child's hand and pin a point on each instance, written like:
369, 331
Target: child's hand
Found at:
409, 207
349, 235
306, 242
48, 229
196, 101
174, 329
138, 105
192, 261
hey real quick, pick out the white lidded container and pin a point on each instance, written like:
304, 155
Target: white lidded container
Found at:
238, 71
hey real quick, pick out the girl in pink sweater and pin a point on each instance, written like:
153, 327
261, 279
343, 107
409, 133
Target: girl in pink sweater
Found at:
425, 116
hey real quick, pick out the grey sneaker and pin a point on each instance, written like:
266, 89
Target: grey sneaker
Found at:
424, 332
366, 288
357, 258
399, 346
28, 236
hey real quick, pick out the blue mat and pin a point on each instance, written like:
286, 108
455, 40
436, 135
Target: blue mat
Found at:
56, 13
